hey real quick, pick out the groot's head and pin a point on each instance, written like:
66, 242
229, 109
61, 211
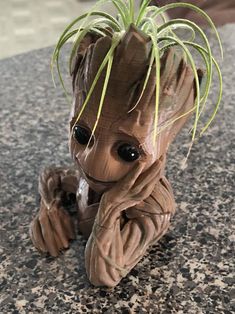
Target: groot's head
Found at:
132, 93
124, 133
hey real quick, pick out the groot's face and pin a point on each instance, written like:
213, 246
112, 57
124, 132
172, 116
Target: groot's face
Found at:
120, 141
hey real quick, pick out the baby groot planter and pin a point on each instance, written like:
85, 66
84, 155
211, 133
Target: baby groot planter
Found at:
130, 100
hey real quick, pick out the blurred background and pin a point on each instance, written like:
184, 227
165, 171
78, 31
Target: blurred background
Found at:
29, 24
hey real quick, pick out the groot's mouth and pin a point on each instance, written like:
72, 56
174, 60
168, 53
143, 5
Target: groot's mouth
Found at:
106, 183
87, 177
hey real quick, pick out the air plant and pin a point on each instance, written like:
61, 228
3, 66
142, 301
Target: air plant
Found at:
152, 21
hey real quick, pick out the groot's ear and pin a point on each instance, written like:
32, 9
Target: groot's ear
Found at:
178, 91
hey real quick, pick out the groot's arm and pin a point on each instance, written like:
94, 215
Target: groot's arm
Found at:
114, 249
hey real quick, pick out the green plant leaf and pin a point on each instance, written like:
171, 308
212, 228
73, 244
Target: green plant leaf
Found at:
194, 26
107, 76
132, 12
196, 9
101, 68
123, 11
56, 58
153, 35
81, 34
79, 19
203, 52
194, 69
152, 59
142, 11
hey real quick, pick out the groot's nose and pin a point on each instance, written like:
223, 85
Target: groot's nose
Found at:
100, 164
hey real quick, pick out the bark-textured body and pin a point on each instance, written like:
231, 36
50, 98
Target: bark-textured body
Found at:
124, 199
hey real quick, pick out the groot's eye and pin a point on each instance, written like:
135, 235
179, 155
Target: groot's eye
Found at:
81, 134
128, 152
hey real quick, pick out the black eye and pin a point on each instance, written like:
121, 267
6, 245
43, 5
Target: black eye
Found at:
81, 134
128, 152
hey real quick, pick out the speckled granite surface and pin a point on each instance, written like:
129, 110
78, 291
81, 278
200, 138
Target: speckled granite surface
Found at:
191, 270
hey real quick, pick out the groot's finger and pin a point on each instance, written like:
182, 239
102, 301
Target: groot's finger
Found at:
36, 236
146, 191
148, 176
54, 217
58, 242
67, 225
48, 234
132, 242
129, 180
52, 185
69, 183
116, 253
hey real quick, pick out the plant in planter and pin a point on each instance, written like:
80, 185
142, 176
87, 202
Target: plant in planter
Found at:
135, 83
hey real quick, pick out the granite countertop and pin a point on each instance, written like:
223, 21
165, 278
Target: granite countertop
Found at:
191, 270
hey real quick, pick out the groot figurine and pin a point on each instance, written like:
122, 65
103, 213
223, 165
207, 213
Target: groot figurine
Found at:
124, 201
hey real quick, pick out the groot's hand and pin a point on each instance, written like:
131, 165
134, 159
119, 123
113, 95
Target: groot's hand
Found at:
51, 229
135, 187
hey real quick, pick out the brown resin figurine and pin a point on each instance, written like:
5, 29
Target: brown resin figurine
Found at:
133, 90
